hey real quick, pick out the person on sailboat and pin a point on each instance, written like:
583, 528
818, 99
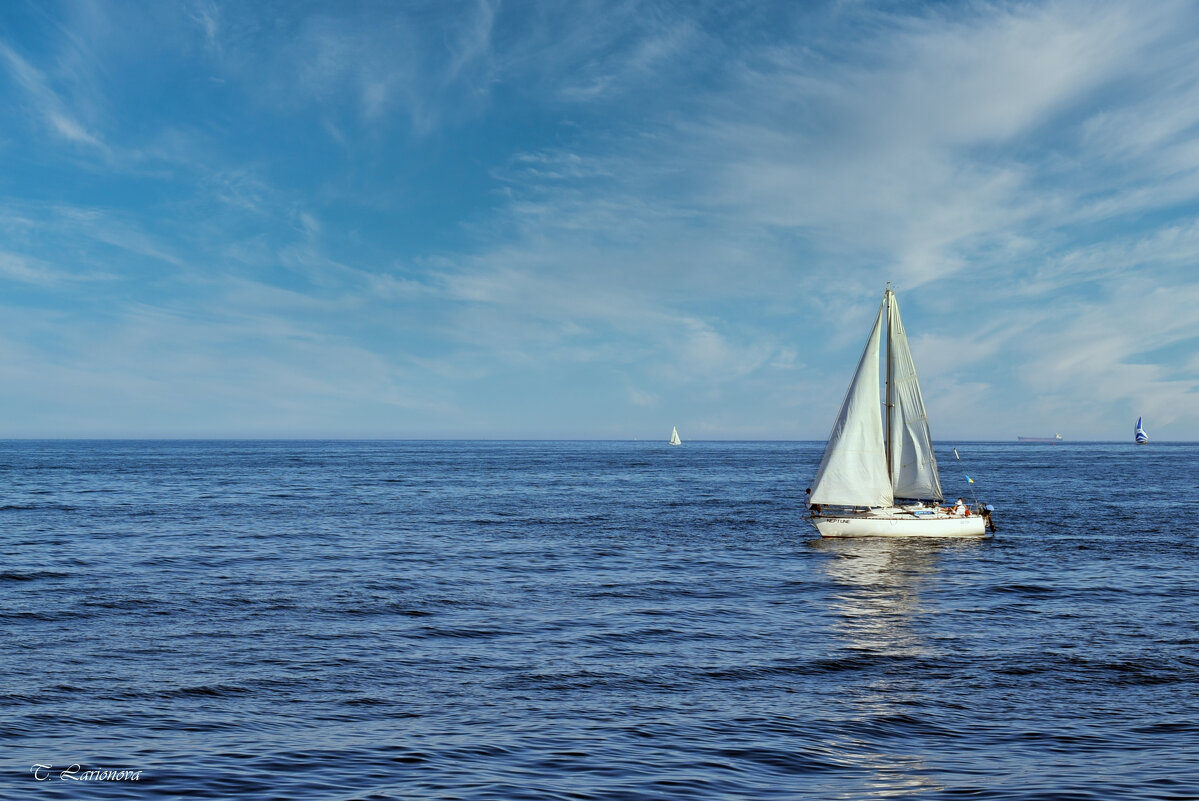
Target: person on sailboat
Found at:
814, 508
959, 510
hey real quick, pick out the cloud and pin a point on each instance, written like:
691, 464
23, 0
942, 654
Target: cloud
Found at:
628, 206
31, 271
206, 14
46, 103
185, 370
429, 63
640, 398
955, 153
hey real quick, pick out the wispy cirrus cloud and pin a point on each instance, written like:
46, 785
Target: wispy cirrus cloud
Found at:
425, 62
613, 210
20, 268
968, 148
44, 102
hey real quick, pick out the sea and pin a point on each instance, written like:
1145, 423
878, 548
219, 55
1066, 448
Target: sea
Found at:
588, 620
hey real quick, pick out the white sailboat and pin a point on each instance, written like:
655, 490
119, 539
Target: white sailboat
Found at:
1139, 435
870, 463
674, 436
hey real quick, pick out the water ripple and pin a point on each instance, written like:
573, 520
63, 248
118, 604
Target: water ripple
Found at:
587, 621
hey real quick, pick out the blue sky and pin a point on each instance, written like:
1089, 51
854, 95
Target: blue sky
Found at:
594, 219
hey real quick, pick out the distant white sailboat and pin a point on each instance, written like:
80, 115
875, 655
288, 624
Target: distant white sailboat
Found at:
870, 463
1139, 435
674, 436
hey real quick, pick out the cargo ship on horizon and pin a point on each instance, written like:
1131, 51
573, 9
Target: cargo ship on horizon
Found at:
1054, 438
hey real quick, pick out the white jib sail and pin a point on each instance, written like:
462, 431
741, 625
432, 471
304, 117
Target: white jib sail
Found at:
853, 471
913, 463
674, 436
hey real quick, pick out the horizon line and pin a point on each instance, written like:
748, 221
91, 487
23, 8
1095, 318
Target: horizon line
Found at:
538, 439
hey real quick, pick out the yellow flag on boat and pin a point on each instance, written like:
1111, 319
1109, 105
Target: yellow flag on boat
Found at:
970, 479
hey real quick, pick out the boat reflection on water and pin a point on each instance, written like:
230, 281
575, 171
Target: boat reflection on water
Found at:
878, 582
892, 728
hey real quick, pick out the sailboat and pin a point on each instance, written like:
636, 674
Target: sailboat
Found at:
1139, 435
674, 436
880, 452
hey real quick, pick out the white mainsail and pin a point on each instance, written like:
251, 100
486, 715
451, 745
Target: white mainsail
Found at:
910, 447
853, 471
674, 436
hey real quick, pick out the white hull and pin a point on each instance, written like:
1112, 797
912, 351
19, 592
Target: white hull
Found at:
899, 524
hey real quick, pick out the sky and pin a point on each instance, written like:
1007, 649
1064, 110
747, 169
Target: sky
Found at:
594, 220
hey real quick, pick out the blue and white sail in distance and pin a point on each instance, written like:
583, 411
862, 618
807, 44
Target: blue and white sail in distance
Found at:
1141, 437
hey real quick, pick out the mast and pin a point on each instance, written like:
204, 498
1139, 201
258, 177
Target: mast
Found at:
889, 397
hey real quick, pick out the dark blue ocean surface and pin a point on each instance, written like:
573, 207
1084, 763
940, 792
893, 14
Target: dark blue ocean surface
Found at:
591, 620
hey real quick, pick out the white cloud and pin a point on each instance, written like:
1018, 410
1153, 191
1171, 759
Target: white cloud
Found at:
46, 103
953, 154
686, 204
206, 14
26, 270
641, 398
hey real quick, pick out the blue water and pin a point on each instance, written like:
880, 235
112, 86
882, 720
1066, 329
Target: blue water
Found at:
548, 620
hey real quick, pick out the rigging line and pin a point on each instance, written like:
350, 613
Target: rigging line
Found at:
969, 481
